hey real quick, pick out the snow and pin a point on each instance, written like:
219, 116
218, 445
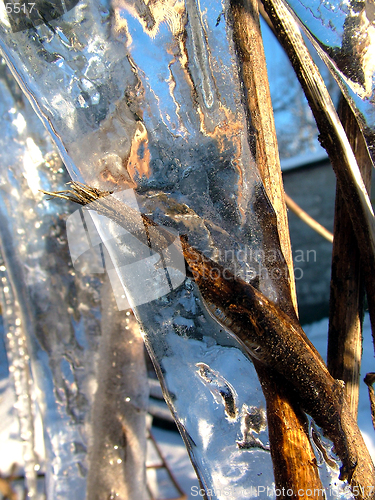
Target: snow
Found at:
170, 442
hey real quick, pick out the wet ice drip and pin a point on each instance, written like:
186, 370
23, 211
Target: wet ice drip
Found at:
329, 464
19, 368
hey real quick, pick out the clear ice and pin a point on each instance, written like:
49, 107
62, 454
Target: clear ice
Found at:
86, 360
146, 96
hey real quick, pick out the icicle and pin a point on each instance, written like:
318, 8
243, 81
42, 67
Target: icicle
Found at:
129, 127
117, 453
64, 323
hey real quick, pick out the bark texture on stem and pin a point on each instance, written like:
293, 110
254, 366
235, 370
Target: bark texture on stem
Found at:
347, 285
271, 336
249, 46
333, 138
299, 470
288, 453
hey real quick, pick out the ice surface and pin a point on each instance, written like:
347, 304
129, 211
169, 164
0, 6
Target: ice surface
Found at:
170, 443
18, 358
39, 284
223, 405
147, 97
61, 323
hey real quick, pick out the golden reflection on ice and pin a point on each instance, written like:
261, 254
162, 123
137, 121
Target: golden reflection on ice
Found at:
191, 64
152, 14
139, 157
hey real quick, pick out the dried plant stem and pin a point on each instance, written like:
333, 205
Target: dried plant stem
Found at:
249, 45
6, 487
290, 445
347, 284
117, 448
295, 208
369, 380
333, 139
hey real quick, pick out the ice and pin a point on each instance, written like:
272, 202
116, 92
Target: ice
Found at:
343, 33
65, 328
220, 376
125, 140
164, 118
36, 308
